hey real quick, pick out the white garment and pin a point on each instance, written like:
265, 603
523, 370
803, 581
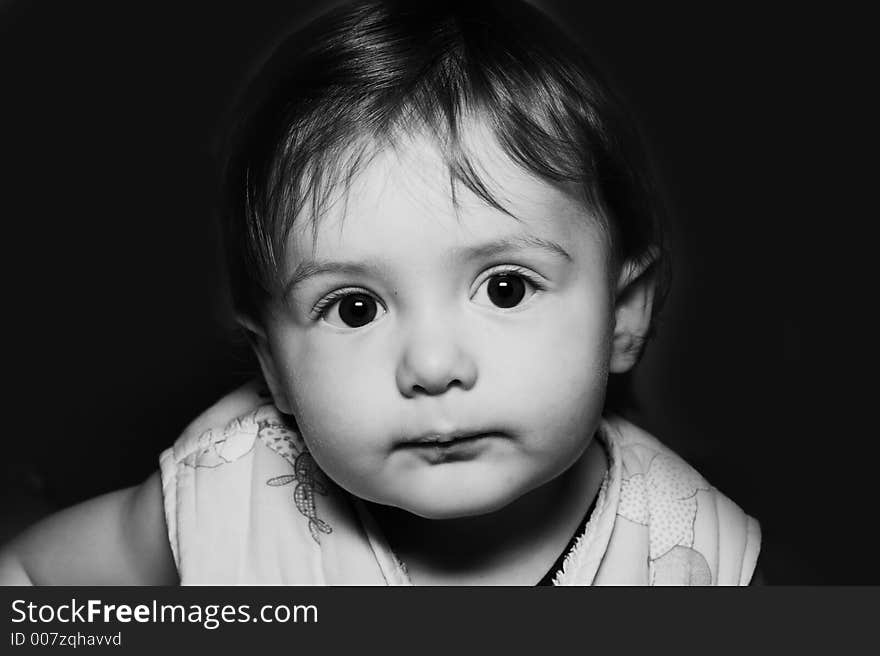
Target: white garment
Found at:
246, 504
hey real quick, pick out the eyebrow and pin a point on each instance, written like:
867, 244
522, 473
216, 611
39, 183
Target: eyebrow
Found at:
312, 268
514, 243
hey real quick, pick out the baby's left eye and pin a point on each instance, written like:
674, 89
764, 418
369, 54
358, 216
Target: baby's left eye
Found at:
350, 309
505, 290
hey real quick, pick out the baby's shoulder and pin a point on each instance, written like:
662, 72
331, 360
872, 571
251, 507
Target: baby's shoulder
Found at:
234, 413
695, 533
643, 455
240, 469
210, 446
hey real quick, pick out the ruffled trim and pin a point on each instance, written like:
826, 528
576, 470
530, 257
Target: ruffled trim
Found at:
583, 559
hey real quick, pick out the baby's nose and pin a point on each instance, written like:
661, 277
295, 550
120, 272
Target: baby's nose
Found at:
433, 363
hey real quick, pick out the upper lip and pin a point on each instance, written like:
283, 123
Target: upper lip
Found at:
445, 437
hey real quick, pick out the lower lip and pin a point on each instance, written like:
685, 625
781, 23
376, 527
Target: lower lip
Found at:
463, 449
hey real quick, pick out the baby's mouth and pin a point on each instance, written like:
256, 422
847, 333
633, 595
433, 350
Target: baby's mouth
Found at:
449, 447
444, 440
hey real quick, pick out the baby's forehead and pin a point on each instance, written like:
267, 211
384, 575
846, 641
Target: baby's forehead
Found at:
412, 183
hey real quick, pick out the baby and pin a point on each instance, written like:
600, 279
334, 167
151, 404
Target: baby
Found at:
443, 242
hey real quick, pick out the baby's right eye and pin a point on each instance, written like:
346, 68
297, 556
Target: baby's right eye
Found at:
349, 309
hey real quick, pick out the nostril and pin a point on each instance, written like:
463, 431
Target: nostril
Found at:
432, 390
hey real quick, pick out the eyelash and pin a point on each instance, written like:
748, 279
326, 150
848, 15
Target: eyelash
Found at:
506, 269
320, 308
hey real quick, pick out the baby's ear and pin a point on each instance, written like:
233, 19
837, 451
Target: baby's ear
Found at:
632, 312
259, 342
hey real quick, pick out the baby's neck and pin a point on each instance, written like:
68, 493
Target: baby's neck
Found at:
513, 546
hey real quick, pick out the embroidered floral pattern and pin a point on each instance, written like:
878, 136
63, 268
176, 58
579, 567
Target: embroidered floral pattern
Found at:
307, 477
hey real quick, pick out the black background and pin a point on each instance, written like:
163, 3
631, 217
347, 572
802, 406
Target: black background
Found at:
117, 334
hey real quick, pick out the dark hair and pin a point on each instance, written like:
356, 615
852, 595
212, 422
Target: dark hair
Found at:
363, 74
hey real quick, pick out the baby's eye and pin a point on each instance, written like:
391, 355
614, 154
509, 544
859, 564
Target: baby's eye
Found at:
506, 289
350, 309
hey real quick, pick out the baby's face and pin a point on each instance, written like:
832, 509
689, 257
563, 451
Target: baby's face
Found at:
444, 360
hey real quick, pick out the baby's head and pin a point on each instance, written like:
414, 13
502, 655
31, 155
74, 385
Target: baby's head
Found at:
442, 237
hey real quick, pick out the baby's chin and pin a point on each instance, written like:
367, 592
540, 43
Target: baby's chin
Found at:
455, 509
456, 502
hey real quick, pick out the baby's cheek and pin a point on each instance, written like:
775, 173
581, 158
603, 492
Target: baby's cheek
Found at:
337, 396
559, 378
565, 348
336, 433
